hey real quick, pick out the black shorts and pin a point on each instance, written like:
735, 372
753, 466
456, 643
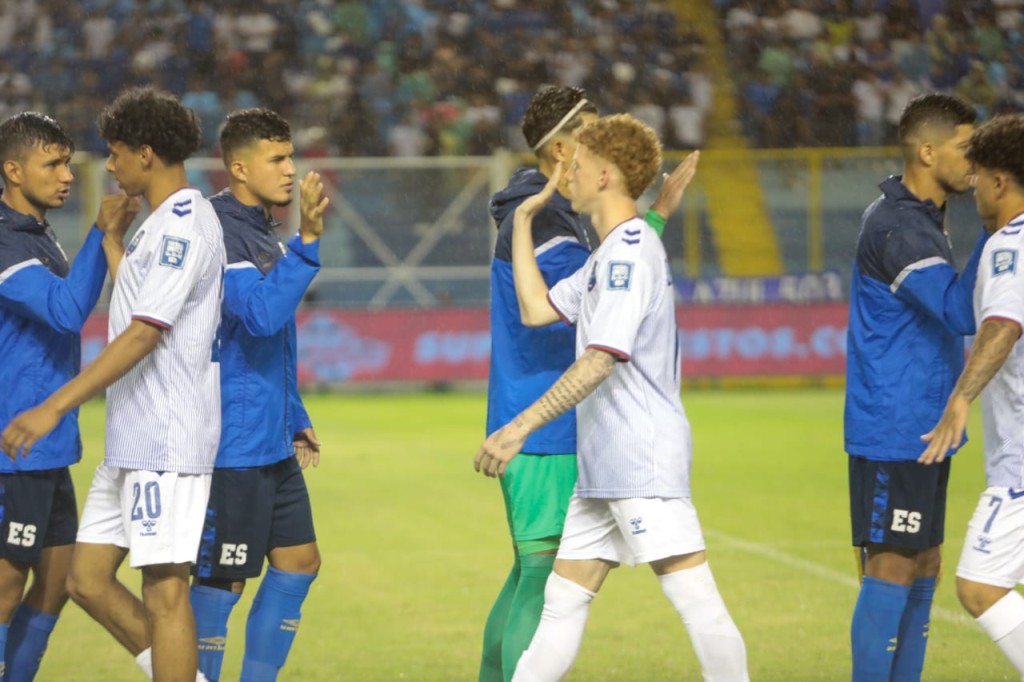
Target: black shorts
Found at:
251, 512
898, 503
37, 510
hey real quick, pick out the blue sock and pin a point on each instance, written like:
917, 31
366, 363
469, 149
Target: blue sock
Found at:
875, 628
909, 660
27, 637
211, 607
272, 624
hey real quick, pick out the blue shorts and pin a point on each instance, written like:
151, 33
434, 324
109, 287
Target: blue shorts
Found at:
251, 512
898, 503
37, 510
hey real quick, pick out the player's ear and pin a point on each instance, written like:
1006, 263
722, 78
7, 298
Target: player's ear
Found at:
146, 155
926, 154
12, 170
238, 170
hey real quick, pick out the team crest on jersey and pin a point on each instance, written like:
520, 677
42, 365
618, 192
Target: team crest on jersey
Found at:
1004, 261
135, 242
619, 275
173, 252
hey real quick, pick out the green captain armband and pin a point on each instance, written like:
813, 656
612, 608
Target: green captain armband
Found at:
654, 219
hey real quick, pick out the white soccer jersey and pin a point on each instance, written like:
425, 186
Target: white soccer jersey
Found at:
164, 414
633, 437
999, 293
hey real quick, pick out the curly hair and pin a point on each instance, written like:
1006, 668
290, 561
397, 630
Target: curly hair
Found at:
151, 117
24, 131
998, 145
548, 107
631, 145
934, 110
248, 126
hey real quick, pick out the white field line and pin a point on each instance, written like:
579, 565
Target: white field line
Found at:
832, 575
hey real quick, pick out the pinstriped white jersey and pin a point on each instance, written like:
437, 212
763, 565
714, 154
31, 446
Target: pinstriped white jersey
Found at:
999, 293
633, 435
164, 414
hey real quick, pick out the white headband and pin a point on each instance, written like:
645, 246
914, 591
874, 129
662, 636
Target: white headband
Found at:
558, 126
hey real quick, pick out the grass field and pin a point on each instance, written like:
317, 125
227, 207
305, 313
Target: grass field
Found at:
415, 548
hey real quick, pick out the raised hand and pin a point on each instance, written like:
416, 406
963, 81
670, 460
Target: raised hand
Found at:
671, 192
532, 205
312, 205
117, 211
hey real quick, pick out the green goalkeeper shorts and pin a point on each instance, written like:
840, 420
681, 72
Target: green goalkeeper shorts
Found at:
537, 489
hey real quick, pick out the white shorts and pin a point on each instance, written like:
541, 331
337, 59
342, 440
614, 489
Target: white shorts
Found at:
993, 551
157, 517
632, 531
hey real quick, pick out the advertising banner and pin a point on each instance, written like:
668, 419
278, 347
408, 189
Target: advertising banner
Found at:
358, 346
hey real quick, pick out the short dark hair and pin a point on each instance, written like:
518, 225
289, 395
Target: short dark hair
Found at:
155, 118
23, 131
548, 107
934, 109
248, 126
999, 146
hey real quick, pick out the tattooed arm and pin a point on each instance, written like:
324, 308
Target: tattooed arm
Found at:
579, 381
992, 346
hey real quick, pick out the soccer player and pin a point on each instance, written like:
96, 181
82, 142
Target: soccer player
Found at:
909, 312
991, 563
259, 505
525, 362
43, 305
632, 500
163, 404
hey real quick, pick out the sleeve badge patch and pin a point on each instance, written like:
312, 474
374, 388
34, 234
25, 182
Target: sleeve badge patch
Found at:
1004, 261
173, 252
619, 275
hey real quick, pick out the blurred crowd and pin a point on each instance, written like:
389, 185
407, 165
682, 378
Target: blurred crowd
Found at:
839, 72
357, 77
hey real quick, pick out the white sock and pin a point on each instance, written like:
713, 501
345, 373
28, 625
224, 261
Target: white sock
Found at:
1004, 624
145, 661
715, 637
557, 641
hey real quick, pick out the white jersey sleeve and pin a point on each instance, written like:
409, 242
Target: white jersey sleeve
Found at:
626, 285
566, 297
1001, 279
180, 260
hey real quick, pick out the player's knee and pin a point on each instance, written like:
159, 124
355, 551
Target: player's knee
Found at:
82, 588
163, 597
975, 597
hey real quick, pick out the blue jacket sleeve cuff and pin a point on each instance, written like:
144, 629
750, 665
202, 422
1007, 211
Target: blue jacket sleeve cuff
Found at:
308, 252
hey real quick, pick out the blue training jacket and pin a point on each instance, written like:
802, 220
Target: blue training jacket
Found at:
526, 361
909, 312
261, 410
43, 305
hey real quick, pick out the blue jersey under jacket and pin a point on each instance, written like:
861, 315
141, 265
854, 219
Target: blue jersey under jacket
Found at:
43, 305
261, 410
909, 312
526, 361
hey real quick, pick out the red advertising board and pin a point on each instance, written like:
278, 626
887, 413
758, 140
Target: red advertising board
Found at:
351, 346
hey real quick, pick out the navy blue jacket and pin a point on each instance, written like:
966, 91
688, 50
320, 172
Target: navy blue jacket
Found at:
526, 361
261, 410
43, 305
909, 312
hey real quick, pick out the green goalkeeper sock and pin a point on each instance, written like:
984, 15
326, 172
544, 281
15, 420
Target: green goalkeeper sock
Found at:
526, 607
494, 630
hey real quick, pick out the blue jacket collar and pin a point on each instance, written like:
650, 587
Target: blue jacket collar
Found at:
252, 215
17, 220
895, 190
